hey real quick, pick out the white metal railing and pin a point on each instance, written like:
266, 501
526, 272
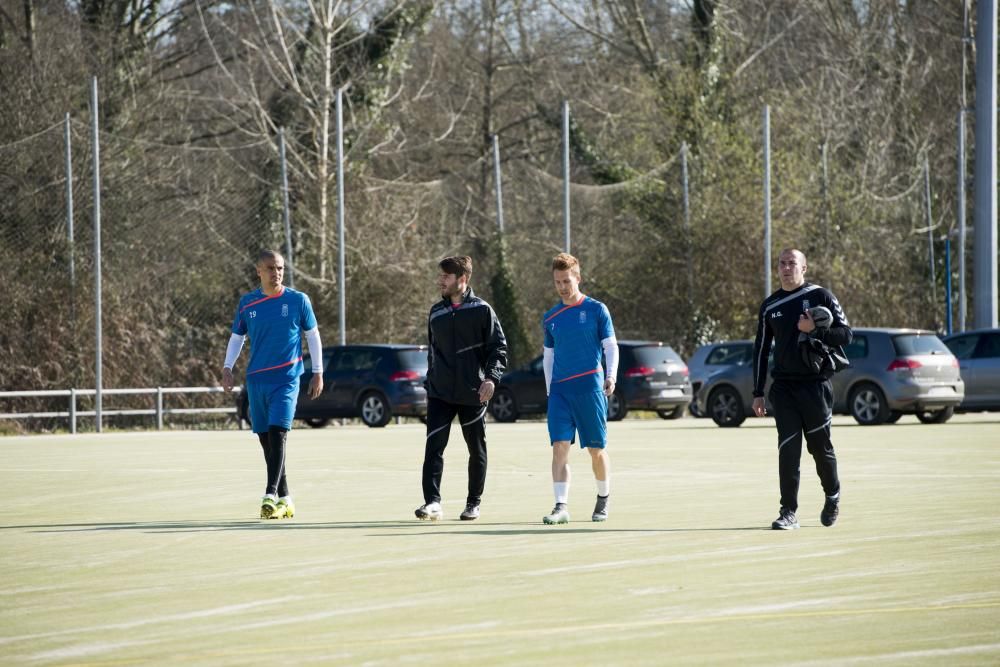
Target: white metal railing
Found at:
73, 414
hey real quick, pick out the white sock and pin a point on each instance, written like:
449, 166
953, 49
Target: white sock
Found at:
271, 496
562, 492
603, 487
285, 499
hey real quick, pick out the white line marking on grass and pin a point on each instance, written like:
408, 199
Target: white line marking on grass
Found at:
81, 650
908, 655
286, 619
170, 618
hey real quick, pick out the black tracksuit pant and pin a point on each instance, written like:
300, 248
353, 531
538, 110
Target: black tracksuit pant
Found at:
473, 420
804, 407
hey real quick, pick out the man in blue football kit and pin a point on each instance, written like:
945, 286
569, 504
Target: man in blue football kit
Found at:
802, 397
577, 331
275, 318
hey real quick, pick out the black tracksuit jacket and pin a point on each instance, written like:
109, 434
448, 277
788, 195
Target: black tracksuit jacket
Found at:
778, 320
466, 345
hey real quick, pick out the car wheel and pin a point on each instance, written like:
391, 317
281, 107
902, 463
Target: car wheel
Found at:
676, 413
374, 410
894, 417
726, 407
868, 405
616, 408
936, 416
316, 422
502, 406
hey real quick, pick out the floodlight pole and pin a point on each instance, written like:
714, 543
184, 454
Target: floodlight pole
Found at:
985, 212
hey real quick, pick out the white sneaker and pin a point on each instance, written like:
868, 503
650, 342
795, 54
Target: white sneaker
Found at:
559, 514
430, 511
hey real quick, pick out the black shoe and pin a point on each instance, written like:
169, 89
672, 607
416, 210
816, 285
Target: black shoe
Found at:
785, 521
471, 513
600, 509
831, 510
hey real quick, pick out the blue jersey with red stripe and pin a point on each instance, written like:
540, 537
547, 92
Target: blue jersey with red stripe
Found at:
274, 324
575, 333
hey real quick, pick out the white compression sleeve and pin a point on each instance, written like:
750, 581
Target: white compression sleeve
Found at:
610, 346
548, 361
315, 349
233, 350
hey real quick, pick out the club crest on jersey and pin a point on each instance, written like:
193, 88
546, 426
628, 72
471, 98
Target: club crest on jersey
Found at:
583, 317
284, 310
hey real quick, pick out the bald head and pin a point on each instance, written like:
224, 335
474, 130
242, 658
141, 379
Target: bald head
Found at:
791, 268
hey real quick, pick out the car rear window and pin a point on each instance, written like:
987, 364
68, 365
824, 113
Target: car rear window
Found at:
412, 358
650, 355
858, 349
908, 345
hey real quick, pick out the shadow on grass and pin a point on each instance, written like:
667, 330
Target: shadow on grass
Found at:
407, 527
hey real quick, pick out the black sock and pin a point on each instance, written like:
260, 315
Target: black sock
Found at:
276, 461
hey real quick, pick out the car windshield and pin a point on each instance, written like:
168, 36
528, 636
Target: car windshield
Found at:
412, 358
908, 345
653, 355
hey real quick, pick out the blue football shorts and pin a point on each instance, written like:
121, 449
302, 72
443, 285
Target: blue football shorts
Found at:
586, 414
272, 404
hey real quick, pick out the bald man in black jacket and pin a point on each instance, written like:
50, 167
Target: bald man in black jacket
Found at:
801, 397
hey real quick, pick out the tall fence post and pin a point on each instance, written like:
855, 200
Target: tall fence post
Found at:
961, 219
767, 200
930, 231
159, 408
688, 243
565, 166
98, 351
285, 212
72, 411
496, 178
947, 284
69, 205
341, 286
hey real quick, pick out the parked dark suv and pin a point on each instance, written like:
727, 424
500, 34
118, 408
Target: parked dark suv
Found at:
651, 376
373, 382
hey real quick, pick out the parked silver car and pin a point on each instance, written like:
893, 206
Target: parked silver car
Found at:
978, 354
712, 358
893, 372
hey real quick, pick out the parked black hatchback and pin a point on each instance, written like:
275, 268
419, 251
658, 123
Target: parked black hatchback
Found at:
651, 376
372, 382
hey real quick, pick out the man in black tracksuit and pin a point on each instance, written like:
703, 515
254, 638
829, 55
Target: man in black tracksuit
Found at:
466, 356
802, 399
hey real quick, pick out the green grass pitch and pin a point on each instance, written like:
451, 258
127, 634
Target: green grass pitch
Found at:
129, 548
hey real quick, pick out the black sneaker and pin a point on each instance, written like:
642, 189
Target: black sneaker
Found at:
785, 521
600, 509
471, 513
831, 510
